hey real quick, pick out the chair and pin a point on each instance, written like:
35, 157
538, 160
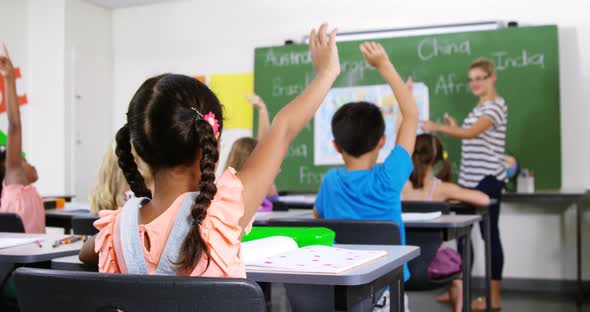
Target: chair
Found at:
429, 242
11, 222
359, 232
83, 225
52, 290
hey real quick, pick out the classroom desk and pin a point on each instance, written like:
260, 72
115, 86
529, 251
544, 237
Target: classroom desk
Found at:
32, 253
262, 218
577, 198
63, 218
450, 226
302, 201
68, 198
359, 284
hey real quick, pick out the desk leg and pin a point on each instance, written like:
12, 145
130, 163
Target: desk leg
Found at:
6, 269
363, 298
396, 294
467, 271
579, 288
488, 260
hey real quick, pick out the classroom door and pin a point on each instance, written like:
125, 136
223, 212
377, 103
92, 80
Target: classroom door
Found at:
92, 113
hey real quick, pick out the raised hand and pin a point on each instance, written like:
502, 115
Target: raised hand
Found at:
256, 101
324, 52
6, 67
410, 84
374, 54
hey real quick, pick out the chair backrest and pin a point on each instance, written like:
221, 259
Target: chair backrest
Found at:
425, 206
360, 232
11, 222
52, 290
83, 225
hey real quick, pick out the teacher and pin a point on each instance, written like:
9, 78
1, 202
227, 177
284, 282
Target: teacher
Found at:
482, 156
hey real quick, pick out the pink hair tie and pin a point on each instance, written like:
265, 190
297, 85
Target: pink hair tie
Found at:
210, 118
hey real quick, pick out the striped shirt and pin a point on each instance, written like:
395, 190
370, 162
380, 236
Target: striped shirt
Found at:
484, 155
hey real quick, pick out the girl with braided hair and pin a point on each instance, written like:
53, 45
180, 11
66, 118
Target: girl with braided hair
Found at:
192, 225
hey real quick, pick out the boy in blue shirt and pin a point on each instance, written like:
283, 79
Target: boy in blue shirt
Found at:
364, 190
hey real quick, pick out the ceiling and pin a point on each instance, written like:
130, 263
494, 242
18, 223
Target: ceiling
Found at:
117, 4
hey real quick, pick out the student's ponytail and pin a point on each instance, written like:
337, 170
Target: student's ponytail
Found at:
418, 175
445, 172
427, 153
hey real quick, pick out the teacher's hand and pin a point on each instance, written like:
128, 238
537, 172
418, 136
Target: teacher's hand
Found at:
450, 121
429, 126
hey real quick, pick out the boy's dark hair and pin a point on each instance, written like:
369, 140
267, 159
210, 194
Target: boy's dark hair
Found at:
166, 131
357, 127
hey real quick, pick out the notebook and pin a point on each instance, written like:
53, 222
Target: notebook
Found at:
281, 254
420, 216
304, 199
7, 242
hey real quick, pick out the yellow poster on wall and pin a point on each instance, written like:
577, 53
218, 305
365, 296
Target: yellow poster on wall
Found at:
231, 90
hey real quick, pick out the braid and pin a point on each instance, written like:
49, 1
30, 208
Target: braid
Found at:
207, 188
193, 245
127, 164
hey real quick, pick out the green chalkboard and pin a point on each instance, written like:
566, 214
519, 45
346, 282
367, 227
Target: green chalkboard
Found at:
528, 78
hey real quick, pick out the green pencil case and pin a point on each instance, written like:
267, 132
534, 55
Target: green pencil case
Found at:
303, 236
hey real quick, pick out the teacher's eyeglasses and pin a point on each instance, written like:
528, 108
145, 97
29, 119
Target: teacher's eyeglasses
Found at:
478, 79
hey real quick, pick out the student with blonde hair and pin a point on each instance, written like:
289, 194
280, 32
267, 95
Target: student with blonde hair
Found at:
111, 190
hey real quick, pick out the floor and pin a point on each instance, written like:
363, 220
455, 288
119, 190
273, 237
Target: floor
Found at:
424, 301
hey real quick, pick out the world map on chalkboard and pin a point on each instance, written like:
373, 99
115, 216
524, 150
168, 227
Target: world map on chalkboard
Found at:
382, 96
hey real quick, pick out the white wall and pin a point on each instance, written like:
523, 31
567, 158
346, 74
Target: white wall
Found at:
45, 37
46, 127
13, 32
89, 92
200, 37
